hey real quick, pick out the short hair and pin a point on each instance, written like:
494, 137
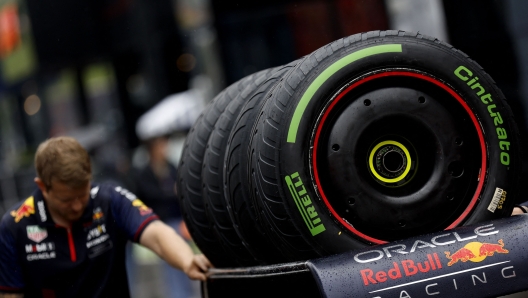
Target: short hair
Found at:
63, 159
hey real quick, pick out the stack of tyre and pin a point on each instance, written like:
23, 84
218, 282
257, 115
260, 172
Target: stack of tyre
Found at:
372, 138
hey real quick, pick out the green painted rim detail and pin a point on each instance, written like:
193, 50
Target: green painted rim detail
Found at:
327, 73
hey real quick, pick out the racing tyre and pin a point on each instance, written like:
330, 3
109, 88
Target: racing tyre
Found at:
190, 185
216, 205
381, 136
237, 194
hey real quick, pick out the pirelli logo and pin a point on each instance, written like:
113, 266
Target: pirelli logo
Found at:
304, 204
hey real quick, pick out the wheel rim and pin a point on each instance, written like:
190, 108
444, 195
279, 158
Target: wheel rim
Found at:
377, 181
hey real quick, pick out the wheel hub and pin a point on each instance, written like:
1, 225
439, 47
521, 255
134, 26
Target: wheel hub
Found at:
390, 163
397, 156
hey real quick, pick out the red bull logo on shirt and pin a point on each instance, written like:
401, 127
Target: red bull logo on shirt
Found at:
475, 252
25, 210
97, 214
143, 209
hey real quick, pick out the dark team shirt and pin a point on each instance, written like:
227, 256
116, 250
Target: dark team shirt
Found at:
41, 259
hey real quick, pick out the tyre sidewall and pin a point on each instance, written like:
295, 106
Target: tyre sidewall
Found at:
433, 58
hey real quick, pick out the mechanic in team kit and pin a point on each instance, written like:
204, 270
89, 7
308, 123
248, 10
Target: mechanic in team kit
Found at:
68, 238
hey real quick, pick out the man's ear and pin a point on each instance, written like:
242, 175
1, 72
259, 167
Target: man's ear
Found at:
41, 185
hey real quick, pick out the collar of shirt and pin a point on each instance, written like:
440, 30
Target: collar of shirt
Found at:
44, 217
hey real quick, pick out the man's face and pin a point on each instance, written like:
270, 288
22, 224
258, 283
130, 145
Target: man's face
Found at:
66, 202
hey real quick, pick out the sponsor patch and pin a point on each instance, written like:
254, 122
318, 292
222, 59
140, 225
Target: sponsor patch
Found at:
97, 214
42, 211
42, 247
41, 256
25, 210
36, 233
96, 232
143, 209
126, 193
41, 251
97, 241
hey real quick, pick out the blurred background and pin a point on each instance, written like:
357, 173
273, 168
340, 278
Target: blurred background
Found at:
116, 73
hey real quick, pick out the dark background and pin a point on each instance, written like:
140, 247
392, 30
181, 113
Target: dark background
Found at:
91, 68
97, 65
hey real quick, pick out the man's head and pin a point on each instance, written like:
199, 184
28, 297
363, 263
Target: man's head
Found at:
63, 175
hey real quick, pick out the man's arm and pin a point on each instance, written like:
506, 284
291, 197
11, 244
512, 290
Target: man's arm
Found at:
167, 244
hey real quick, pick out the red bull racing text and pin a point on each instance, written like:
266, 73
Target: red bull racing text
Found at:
408, 267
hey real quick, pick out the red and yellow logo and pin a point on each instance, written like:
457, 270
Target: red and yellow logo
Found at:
143, 209
410, 268
97, 215
475, 252
25, 210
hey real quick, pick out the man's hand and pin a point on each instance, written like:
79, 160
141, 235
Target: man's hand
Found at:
198, 268
518, 210
168, 245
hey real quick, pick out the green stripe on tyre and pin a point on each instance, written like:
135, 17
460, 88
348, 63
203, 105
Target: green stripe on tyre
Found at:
327, 73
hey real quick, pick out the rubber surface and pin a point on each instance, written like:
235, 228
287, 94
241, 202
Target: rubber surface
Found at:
201, 227
281, 146
213, 168
237, 192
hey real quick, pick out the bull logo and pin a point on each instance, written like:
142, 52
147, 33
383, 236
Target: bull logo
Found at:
143, 209
97, 214
475, 252
25, 210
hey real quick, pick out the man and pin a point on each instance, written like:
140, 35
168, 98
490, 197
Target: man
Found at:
68, 238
